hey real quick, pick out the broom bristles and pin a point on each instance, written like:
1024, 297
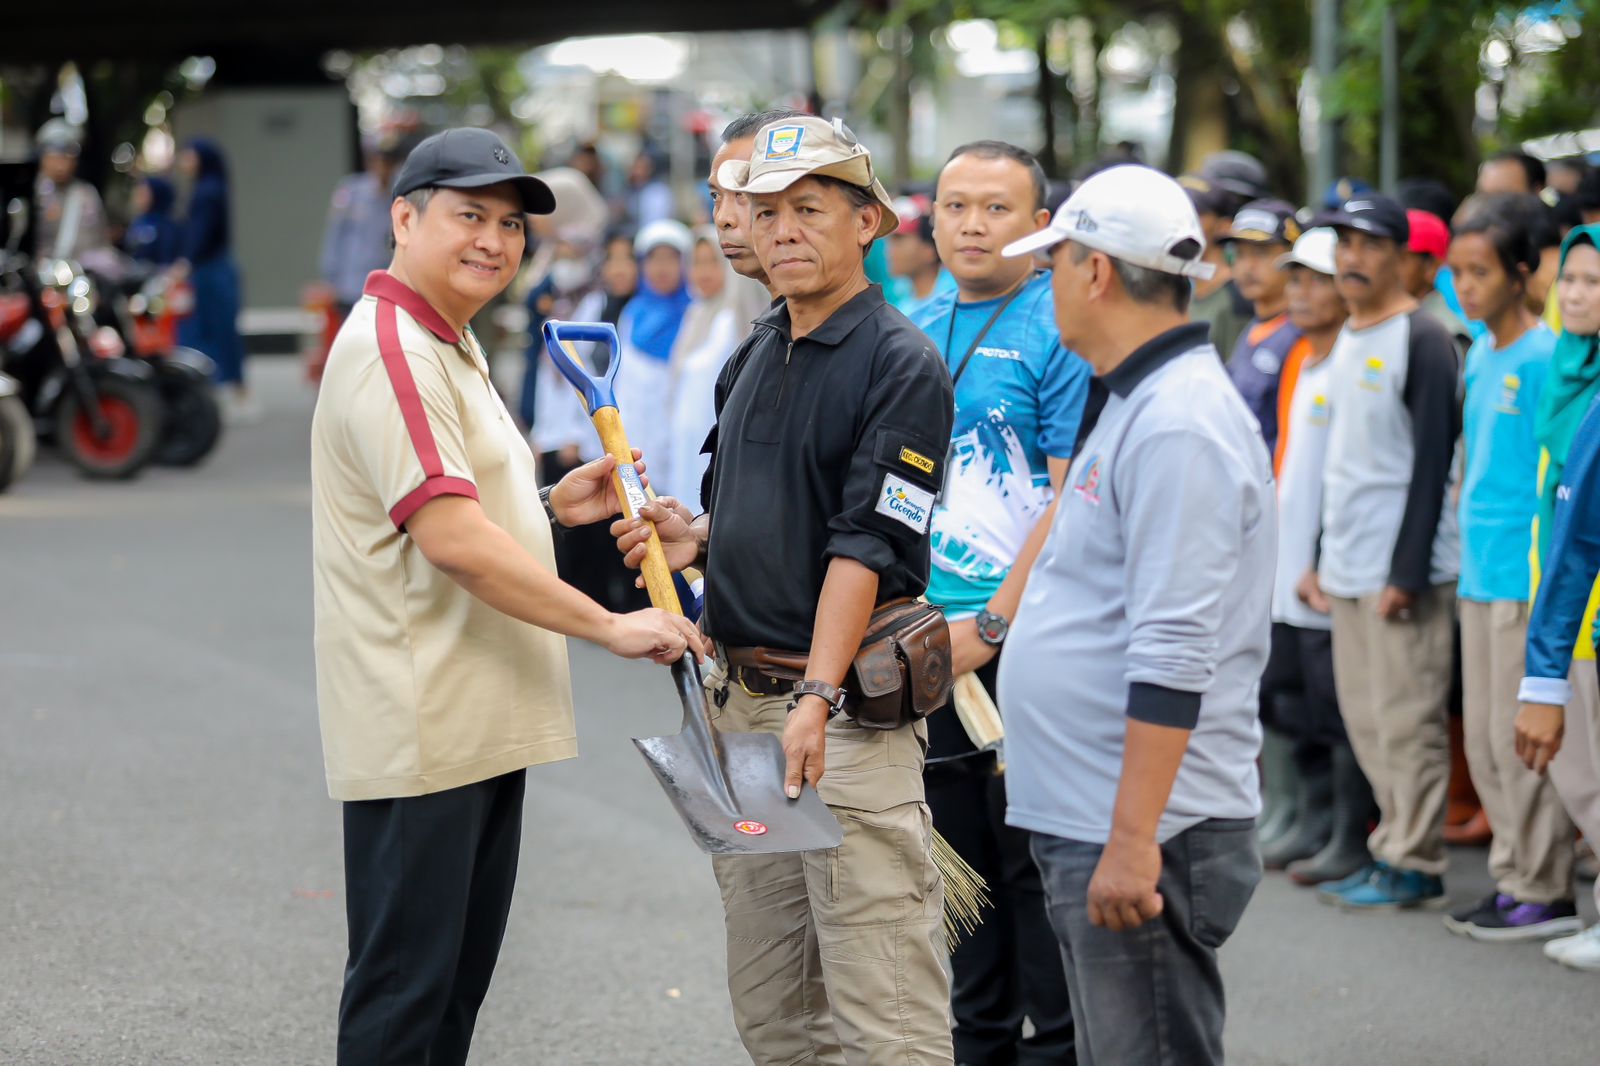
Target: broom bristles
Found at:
966, 893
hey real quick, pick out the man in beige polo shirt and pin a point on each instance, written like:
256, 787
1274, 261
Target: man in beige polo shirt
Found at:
441, 663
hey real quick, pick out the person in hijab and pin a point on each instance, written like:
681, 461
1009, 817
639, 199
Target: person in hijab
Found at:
1558, 724
206, 254
648, 330
153, 236
619, 275
718, 319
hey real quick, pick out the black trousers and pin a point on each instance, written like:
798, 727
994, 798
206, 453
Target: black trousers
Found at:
1009, 967
428, 883
1297, 690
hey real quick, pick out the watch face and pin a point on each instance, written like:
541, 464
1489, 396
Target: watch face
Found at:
992, 628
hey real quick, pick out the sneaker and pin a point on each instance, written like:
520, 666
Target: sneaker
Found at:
1485, 910
1334, 891
1527, 921
1397, 890
1580, 952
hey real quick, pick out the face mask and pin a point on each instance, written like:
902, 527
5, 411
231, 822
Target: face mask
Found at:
569, 274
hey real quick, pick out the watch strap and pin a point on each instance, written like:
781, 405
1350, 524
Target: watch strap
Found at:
832, 695
549, 508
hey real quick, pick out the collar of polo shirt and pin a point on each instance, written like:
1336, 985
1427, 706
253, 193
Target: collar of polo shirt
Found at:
385, 286
838, 326
1155, 353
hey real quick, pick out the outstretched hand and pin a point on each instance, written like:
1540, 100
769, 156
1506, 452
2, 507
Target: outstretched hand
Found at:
589, 493
672, 522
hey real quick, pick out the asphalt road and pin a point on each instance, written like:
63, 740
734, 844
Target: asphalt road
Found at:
170, 872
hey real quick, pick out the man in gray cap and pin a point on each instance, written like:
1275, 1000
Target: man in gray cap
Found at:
833, 419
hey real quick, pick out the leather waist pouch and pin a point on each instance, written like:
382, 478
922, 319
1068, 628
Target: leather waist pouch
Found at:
900, 675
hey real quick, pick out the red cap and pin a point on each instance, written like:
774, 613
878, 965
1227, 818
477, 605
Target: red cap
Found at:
1429, 234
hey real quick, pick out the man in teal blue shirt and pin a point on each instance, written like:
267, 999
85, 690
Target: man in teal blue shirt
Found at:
1019, 401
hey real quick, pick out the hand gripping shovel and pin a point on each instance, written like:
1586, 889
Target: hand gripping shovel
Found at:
727, 787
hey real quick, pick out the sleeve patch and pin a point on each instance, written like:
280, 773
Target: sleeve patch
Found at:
911, 456
905, 503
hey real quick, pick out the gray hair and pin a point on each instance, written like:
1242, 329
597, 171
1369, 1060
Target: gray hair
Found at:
417, 198
749, 125
1144, 285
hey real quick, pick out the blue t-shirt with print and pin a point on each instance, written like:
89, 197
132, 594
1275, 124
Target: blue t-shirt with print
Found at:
1019, 401
1499, 489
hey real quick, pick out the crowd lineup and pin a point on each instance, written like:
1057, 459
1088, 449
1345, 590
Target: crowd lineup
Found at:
1249, 519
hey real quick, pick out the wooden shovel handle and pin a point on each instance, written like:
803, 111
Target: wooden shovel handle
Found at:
632, 494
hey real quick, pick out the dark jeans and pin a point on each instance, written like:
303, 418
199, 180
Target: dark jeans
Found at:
1152, 996
428, 882
1009, 967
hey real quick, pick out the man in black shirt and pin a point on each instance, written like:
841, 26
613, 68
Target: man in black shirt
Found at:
832, 424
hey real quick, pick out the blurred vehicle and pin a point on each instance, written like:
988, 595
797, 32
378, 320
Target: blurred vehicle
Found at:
101, 408
16, 425
144, 309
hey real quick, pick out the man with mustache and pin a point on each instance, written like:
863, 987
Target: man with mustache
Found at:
1390, 553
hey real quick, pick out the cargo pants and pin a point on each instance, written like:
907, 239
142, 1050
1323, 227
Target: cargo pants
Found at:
836, 957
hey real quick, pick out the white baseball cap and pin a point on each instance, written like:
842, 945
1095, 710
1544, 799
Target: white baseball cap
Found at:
1314, 250
1133, 213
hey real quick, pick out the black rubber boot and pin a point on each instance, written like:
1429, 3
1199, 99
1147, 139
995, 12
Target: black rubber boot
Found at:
1353, 812
1278, 792
1313, 823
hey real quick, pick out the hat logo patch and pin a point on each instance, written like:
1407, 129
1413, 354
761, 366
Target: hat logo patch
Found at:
784, 142
1359, 205
502, 156
1085, 222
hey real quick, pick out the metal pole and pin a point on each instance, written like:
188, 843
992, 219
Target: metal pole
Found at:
1389, 146
1325, 58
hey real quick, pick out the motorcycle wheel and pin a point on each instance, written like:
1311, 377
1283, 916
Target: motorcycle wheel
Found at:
16, 441
194, 422
134, 412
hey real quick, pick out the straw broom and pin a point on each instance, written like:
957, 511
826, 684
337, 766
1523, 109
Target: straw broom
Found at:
965, 892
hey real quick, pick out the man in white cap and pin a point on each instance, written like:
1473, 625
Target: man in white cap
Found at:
833, 419
1129, 684
72, 219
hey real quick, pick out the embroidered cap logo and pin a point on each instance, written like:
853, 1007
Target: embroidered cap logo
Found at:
502, 156
784, 142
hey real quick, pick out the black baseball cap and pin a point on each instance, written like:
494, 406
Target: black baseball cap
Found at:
1371, 213
471, 158
1264, 222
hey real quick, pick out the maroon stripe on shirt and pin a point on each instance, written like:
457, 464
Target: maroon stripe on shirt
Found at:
416, 419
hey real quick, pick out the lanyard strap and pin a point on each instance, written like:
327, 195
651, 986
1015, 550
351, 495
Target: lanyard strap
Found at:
950, 334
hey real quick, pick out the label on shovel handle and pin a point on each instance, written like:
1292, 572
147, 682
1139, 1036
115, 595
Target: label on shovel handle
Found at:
632, 487
753, 829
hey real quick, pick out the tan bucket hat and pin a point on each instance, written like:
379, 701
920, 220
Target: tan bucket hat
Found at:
794, 148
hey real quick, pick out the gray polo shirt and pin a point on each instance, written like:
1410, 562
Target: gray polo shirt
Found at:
1151, 600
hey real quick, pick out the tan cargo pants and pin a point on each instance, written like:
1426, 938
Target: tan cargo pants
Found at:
1531, 856
1394, 684
835, 957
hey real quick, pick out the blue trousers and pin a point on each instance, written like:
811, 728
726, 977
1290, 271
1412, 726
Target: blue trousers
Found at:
214, 326
1152, 996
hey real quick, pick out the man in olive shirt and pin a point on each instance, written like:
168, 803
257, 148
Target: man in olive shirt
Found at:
833, 420
441, 668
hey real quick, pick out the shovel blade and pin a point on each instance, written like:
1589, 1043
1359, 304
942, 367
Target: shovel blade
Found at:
745, 813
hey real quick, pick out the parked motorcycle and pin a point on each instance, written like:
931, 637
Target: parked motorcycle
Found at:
146, 308
16, 431
103, 409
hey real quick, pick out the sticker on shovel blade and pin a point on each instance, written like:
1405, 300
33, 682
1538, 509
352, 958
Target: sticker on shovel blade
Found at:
752, 829
632, 487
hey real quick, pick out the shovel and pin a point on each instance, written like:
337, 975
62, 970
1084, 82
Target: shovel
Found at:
727, 787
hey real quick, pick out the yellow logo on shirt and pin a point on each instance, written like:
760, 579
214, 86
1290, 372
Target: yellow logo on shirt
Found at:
916, 459
1510, 387
1372, 375
1319, 410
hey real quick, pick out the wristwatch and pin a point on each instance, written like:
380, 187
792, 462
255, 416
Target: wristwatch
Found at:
833, 697
549, 508
992, 628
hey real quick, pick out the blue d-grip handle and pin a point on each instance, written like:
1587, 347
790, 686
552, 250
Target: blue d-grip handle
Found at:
597, 392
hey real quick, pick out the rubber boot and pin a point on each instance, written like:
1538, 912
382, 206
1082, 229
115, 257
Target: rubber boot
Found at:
1313, 823
1277, 786
1353, 812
